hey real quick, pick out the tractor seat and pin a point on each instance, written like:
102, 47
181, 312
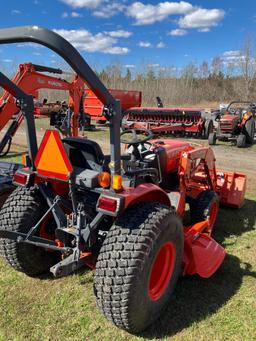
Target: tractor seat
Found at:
84, 153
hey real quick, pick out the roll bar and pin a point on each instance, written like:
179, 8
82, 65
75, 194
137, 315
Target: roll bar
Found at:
26, 104
63, 48
241, 102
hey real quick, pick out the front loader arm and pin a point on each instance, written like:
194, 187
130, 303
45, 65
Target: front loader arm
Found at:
30, 81
199, 164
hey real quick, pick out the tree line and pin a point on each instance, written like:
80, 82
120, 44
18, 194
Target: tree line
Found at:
226, 78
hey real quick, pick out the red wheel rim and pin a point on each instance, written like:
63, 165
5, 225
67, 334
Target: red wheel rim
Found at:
213, 214
161, 271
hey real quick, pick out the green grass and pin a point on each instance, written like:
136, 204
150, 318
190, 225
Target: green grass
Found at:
222, 307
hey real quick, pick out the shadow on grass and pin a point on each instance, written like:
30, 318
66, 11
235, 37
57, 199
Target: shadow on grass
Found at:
233, 222
196, 298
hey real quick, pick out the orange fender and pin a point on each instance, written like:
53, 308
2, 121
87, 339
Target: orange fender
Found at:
144, 193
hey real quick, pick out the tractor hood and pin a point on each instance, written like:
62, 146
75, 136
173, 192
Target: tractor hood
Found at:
228, 122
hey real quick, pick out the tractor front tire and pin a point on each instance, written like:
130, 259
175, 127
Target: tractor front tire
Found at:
138, 266
212, 139
205, 207
20, 212
250, 131
208, 128
241, 141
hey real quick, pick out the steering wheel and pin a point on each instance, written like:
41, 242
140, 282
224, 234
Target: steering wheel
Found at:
136, 140
232, 111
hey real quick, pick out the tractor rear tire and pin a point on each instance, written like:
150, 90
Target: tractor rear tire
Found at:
241, 141
212, 139
205, 207
208, 128
138, 266
4, 194
20, 212
250, 131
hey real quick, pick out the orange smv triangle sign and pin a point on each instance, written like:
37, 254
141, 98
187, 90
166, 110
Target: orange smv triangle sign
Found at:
51, 160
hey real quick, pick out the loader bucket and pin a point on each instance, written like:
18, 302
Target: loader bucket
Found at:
208, 255
233, 189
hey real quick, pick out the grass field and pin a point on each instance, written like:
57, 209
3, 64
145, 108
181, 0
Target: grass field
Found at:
220, 308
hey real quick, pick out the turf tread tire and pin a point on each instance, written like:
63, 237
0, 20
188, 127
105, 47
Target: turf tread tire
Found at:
250, 131
126, 252
212, 139
22, 210
241, 141
208, 128
200, 207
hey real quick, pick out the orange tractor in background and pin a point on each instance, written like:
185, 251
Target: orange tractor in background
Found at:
236, 123
120, 214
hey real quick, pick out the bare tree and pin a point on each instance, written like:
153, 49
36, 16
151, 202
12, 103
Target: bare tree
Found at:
247, 62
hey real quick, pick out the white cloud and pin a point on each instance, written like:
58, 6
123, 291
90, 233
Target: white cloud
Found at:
177, 32
83, 3
152, 65
37, 53
144, 44
130, 66
76, 15
72, 15
232, 53
119, 34
101, 42
34, 45
109, 10
149, 14
161, 45
15, 11
190, 16
202, 18
7, 60
233, 57
206, 29
117, 50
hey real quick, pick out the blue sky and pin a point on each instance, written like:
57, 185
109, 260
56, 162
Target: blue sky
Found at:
135, 33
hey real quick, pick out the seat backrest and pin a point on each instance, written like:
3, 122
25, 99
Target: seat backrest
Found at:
83, 153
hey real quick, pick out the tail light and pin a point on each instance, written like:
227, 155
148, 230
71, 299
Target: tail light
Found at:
109, 205
21, 178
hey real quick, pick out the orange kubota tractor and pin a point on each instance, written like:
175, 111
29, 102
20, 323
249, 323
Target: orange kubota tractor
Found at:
236, 124
120, 214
